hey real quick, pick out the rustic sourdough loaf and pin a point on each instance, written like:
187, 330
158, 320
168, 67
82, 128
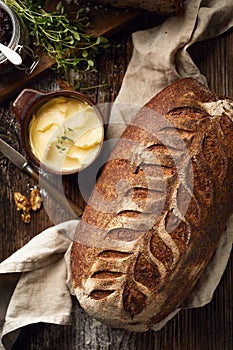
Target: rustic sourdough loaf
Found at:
158, 209
164, 7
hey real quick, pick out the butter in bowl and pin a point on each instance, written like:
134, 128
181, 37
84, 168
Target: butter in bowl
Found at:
62, 131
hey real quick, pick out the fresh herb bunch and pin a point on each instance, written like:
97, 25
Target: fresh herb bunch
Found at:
63, 39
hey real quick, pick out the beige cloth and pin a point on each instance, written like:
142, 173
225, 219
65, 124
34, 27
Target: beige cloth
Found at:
35, 281
160, 55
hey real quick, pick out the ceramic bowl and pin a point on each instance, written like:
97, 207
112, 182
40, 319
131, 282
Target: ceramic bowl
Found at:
29, 104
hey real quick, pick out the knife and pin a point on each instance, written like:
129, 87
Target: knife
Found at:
21, 162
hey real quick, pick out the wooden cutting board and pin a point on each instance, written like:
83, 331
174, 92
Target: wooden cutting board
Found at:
103, 22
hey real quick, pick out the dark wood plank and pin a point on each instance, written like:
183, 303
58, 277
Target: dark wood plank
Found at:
206, 328
103, 22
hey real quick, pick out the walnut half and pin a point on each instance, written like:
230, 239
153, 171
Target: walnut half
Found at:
35, 199
24, 205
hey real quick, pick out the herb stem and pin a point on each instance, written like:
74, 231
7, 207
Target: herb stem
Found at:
65, 40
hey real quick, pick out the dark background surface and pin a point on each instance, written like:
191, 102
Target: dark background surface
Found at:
206, 328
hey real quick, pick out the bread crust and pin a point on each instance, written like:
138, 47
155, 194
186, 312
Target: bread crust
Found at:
158, 209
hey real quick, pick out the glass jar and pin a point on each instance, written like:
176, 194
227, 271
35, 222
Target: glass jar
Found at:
18, 41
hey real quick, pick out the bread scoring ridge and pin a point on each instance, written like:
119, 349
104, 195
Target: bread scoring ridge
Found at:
158, 209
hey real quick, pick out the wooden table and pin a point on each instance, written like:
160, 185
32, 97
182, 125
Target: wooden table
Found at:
207, 328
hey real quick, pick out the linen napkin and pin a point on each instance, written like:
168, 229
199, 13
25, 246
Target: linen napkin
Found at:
35, 281
160, 56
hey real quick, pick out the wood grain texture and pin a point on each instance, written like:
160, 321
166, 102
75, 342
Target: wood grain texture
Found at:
206, 328
103, 22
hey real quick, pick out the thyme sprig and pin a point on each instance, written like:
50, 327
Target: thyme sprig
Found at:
63, 137
63, 39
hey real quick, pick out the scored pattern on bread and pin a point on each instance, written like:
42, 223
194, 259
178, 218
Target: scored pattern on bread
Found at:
158, 209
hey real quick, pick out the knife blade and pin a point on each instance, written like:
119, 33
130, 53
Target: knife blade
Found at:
21, 162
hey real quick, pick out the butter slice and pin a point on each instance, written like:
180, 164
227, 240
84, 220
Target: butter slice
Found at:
65, 134
90, 138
